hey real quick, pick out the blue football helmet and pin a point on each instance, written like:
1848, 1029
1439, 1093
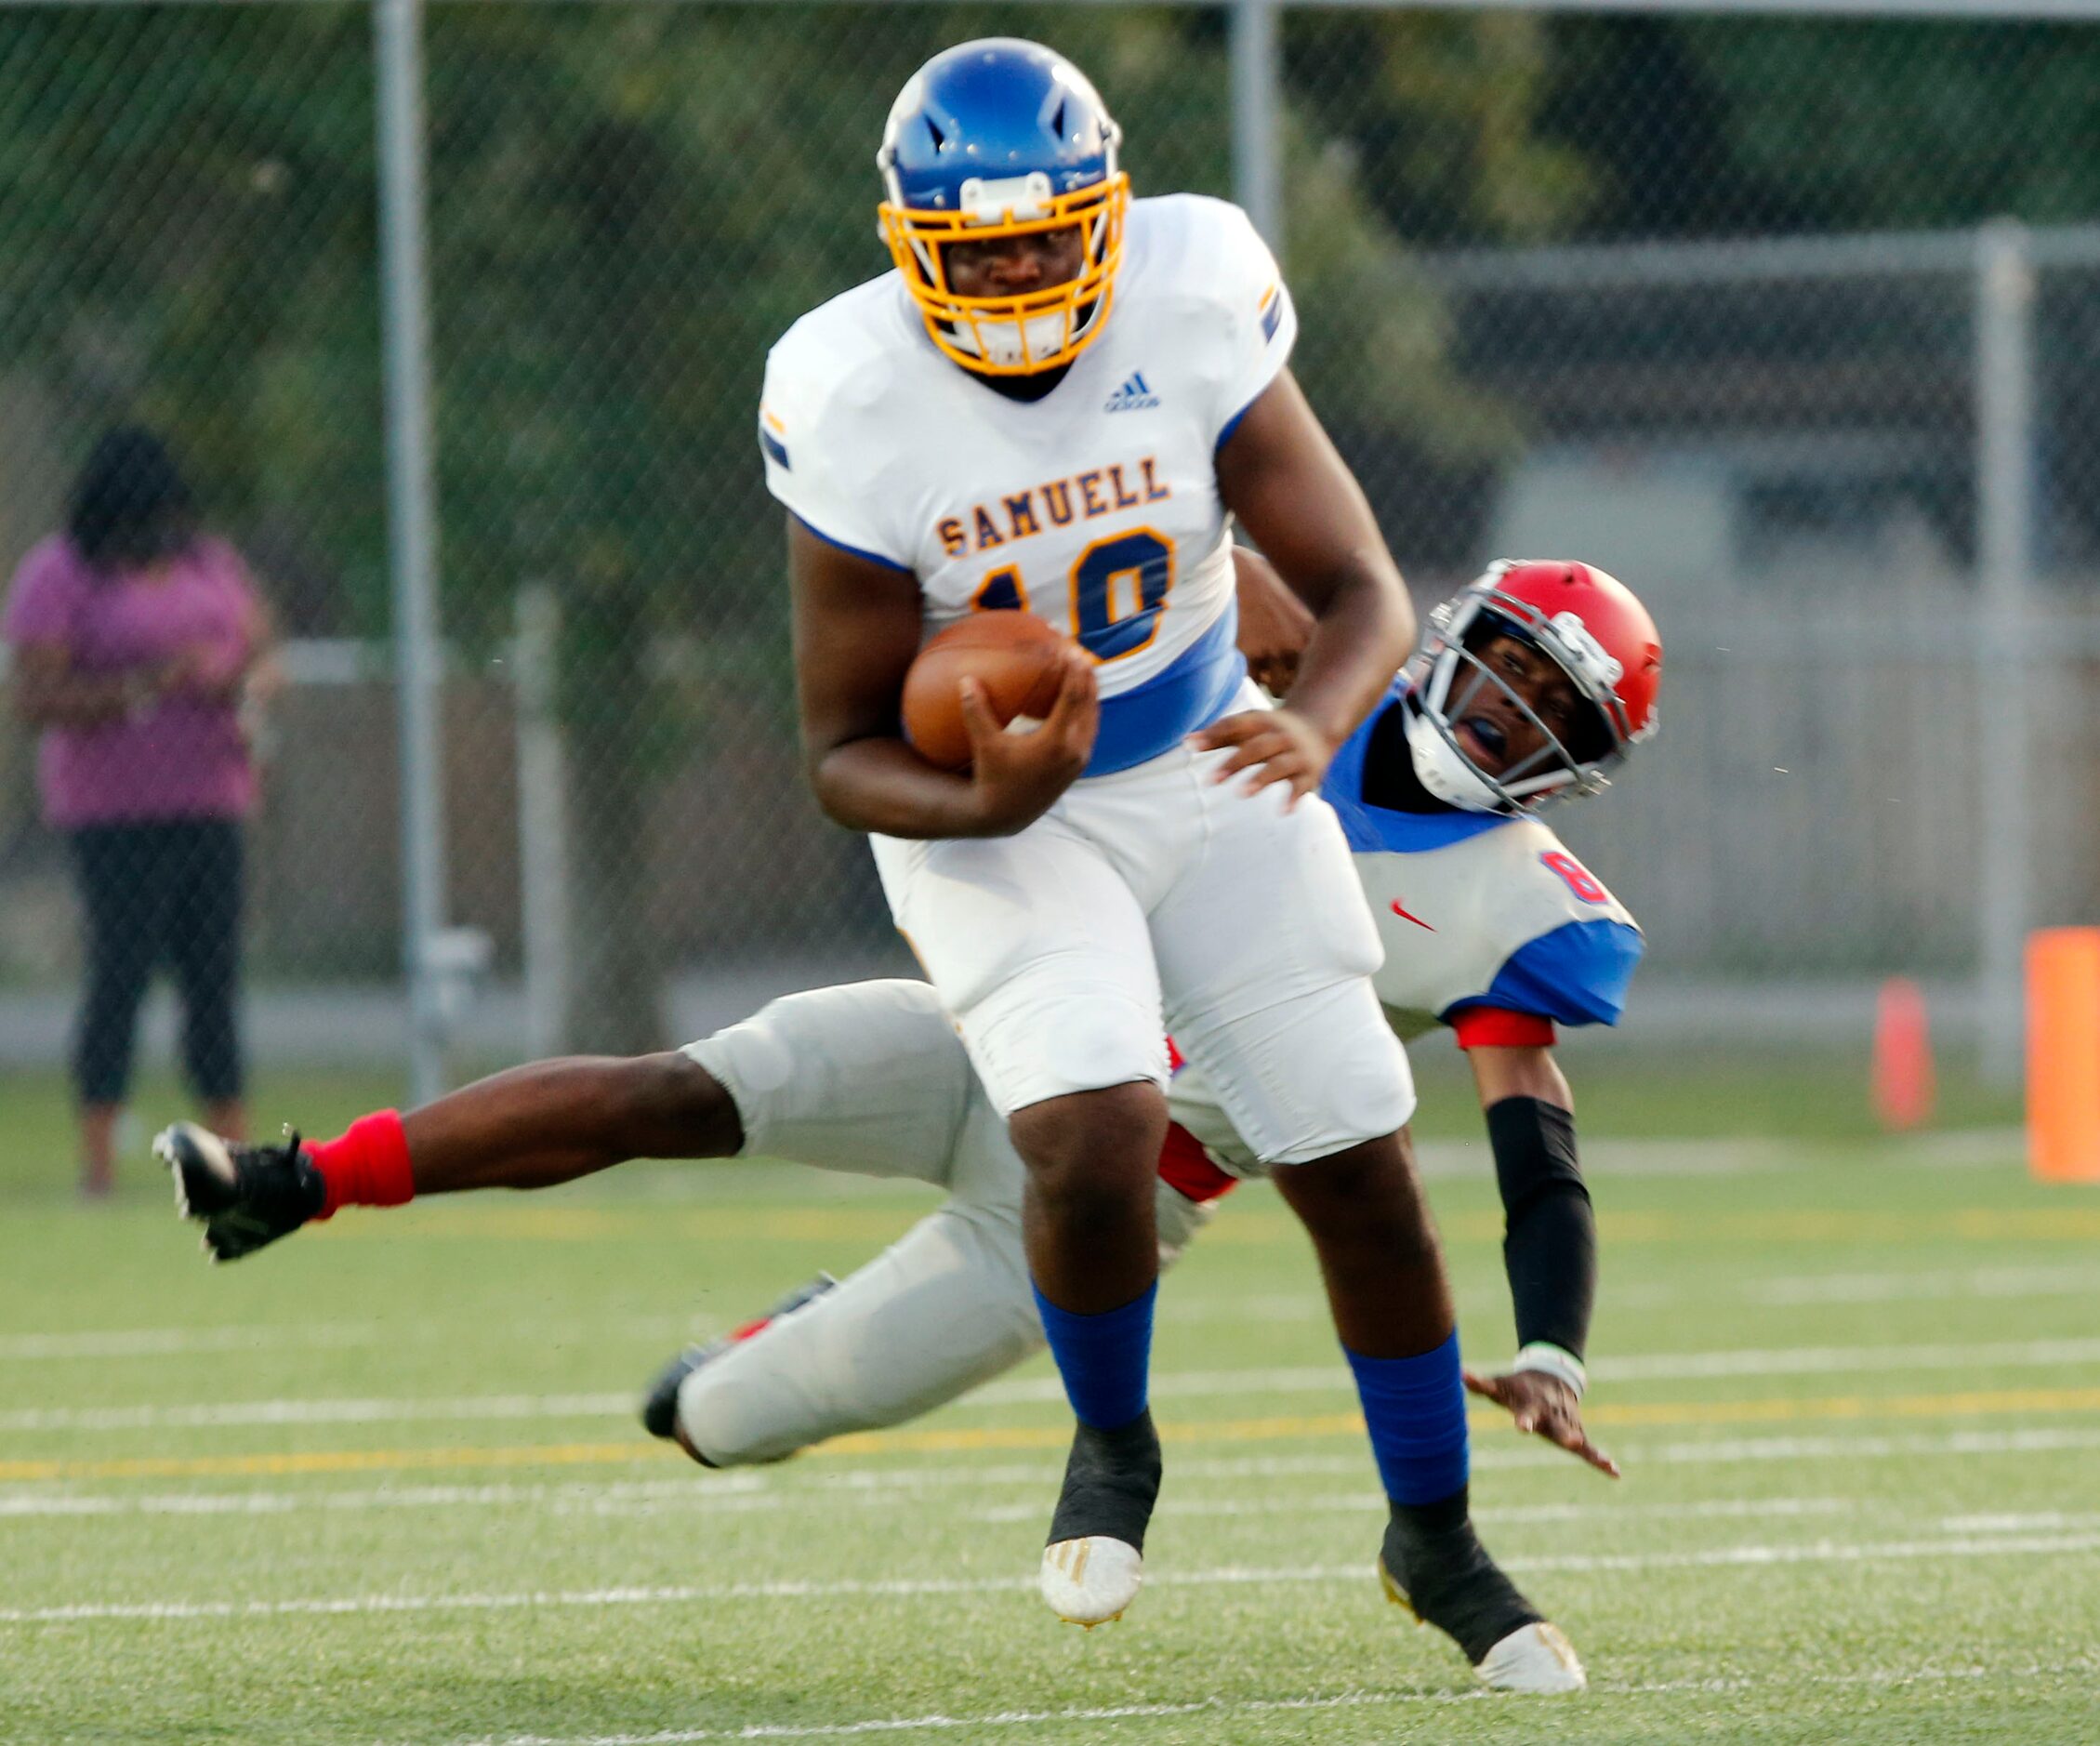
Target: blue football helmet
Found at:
994, 138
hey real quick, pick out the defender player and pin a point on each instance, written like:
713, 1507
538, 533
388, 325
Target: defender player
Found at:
1058, 402
1537, 677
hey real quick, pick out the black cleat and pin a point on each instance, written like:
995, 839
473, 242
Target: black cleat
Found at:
1095, 1557
659, 1407
1433, 1564
243, 1195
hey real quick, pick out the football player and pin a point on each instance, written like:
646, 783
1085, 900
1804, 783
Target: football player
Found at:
1058, 401
1536, 680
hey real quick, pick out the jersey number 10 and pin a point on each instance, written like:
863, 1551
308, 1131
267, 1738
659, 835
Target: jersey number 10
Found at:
1118, 592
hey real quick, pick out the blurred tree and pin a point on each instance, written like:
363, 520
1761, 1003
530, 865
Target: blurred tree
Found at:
627, 205
1711, 126
1881, 126
1442, 116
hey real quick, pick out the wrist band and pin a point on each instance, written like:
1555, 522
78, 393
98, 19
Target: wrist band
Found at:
1551, 1360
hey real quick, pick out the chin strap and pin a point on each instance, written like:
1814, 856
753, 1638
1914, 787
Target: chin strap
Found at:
1441, 771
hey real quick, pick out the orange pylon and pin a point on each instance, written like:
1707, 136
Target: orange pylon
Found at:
2063, 1054
1904, 1084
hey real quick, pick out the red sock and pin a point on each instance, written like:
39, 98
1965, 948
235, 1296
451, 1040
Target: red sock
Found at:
366, 1167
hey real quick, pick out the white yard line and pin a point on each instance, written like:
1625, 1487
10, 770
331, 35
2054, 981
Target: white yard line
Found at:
751, 1490
225, 1414
1955, 1150
1718, 1450
1883, 1288
160, 1343
1784, 1292
703, 1496
1166, 1385
1820, 1360
1280, 1306
1370, 1503
1644, 1368
938, 1723
165, 1342
999, 1719
1749, 1557
695, 1493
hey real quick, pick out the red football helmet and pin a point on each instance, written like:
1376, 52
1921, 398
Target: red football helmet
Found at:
1588, 624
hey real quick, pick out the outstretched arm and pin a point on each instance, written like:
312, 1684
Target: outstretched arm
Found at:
1549, 1243
1298, 500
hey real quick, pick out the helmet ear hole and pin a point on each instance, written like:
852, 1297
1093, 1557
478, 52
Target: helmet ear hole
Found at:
1592, 739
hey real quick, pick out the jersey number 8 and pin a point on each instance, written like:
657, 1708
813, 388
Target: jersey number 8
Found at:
1576, 877
1118, 589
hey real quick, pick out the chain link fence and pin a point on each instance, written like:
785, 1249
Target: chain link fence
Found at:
1695, 298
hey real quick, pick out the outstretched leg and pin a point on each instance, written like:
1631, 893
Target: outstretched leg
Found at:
531, 1127
868, 1077
553, 1121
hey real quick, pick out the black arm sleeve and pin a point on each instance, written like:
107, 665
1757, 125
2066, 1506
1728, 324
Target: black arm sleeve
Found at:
1550, 1235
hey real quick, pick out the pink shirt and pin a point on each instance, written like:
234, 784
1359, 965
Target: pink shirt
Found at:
181, 758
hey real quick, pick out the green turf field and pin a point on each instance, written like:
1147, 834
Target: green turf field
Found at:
382, 1484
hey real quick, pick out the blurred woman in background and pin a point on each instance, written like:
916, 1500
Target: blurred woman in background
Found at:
136, 638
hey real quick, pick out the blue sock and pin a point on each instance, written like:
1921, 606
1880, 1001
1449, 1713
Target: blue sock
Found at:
1415, 1409
1103, 1358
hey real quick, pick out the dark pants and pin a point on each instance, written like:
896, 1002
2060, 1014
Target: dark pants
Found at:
169, 891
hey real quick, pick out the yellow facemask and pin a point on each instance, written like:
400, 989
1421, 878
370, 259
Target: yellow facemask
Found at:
1038, 330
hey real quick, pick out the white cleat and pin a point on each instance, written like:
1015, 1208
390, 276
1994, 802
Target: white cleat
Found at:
1090, 1581
1537, 1659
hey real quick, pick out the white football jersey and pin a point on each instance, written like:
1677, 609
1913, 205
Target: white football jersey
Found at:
1505, 917
1096, 507
1476, 910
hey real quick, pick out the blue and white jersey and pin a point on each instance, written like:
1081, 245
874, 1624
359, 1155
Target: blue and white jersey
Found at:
1481, 910
1095, 507
1478, 912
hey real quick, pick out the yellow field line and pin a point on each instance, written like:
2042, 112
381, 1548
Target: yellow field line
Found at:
845, 1224
986, 1439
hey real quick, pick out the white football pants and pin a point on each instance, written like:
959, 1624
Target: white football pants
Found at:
1158, 900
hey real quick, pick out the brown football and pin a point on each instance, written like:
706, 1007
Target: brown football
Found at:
1014, 655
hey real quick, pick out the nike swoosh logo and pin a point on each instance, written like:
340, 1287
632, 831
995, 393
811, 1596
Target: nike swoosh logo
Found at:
1404, 916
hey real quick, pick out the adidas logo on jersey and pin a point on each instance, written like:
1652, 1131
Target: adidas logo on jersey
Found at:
1133, 396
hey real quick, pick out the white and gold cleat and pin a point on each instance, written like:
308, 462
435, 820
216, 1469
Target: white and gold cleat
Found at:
1090, 1581
1094, 1558
1537, 1659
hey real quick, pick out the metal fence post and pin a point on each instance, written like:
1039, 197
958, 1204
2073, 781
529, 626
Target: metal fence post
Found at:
2005, 547
1257, 66
412, 522
544, 897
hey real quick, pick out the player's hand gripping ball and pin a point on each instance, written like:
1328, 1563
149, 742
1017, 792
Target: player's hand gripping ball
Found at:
1015, 656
